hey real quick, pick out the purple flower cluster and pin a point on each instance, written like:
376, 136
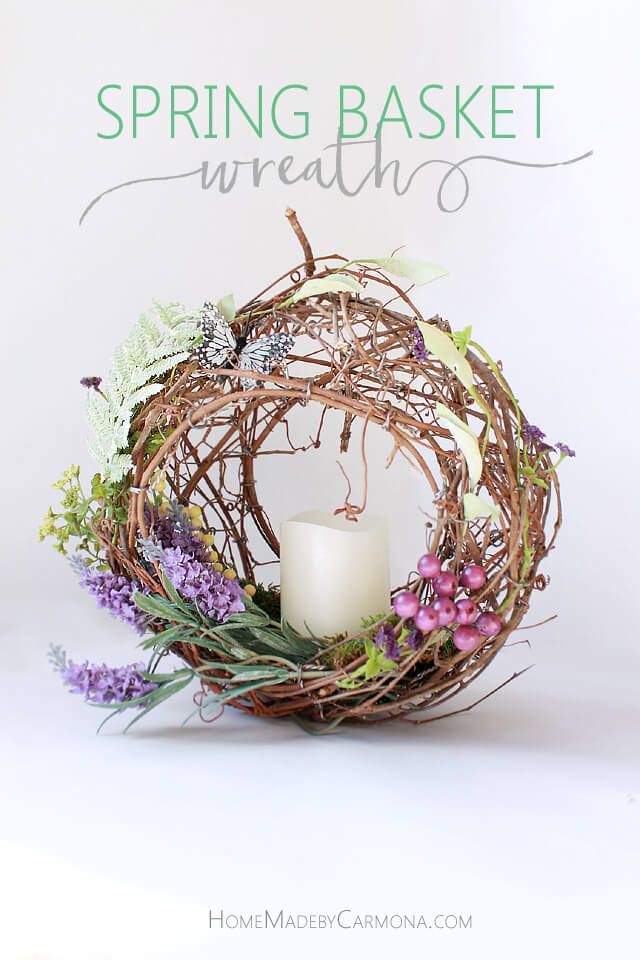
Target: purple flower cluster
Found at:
217, 596
114, 593
91, 383
420, 351
414, 639
386, 640
534, 435
565, 450
175, 529
99, 683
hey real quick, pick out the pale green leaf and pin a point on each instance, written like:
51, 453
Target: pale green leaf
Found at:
227, 307
334, 283
442, 346
118, 467
466, 441
417, 271
475, 507
142, 394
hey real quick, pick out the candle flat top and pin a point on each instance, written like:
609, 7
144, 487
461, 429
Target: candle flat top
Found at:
321, 519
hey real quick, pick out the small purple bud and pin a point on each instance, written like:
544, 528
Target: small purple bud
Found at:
91, 383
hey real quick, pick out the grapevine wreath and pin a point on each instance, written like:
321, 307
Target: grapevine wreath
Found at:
168, 535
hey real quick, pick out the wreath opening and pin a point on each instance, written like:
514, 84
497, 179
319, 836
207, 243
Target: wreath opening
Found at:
173, 535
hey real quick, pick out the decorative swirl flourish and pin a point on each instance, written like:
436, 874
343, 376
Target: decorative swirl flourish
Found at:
225, 174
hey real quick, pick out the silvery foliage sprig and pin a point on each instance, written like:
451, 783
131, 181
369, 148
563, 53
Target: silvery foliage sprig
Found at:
156, 344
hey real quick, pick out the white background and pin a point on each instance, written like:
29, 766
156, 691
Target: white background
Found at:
524, 812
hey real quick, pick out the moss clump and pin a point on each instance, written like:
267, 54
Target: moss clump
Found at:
350, 649
447, 649
347, 652
267, 598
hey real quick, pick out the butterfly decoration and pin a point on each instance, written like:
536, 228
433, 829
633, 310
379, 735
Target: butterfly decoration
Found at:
220, 347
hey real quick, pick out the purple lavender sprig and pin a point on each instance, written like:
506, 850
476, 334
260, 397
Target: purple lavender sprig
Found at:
534, 436
216, 596
113, 592
420, 351
175, 529
99, 683
185, 560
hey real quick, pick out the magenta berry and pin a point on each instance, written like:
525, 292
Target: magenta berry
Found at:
429, 566
445, 585
467, 638
445, 609
405, 604
473, 577
489, 624
468, 612
426, 619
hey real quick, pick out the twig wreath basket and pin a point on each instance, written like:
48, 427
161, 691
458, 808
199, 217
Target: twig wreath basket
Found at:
168, 536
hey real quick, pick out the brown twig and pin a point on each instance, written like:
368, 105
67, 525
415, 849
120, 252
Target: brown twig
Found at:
309, 262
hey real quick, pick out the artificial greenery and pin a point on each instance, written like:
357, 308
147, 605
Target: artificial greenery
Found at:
177, 591
81, 513
243, 636
266, 597
158, 342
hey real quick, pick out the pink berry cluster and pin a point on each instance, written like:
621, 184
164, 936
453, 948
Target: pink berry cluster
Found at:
472, 625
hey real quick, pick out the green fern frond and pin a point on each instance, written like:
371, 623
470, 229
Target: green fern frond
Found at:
158, 342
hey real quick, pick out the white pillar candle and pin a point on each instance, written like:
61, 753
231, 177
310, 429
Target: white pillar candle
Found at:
333, 572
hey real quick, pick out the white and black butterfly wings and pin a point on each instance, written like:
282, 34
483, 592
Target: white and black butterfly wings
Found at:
219, 347
263, 354
218, 341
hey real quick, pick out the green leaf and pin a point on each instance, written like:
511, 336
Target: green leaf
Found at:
377, 662
334, 283
227, 307
175, 598
418, 271
169, 684
164, 678
301, 641
157, 606
241, 690
475, 507
164, 692
442, 346
266, 640
243, 672
466, 441
317, 729
160, 641
223, 646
